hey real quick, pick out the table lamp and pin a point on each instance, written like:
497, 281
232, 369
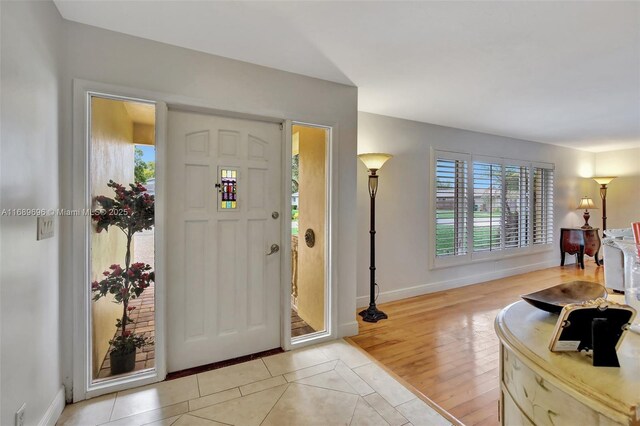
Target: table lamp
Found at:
586, 203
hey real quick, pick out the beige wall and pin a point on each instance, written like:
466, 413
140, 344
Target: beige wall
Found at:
112, 156
311, 260
623, 194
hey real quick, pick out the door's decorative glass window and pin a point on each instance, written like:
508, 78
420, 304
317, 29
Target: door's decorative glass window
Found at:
228, 189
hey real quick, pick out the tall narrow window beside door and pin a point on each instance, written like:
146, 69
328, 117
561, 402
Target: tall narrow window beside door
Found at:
309, 214
122, 160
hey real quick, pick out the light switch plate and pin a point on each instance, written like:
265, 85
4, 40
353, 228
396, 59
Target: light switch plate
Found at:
44, 227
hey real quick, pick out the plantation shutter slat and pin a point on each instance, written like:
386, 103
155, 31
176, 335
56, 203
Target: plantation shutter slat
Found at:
542, 205
451, 207
516, 206
487, 206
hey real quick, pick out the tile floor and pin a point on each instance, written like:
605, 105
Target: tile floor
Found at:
328, 384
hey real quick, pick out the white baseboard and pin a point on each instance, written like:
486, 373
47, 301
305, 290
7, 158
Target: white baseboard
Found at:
419, 290
55, 409
348, 329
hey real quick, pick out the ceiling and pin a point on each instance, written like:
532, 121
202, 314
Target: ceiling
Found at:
565, 73
140, 112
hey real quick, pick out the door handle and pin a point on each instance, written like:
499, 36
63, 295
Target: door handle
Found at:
274, 249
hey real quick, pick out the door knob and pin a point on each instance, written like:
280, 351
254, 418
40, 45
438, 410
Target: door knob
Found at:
274, 249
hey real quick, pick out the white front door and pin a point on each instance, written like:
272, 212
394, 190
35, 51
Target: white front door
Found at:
223, 288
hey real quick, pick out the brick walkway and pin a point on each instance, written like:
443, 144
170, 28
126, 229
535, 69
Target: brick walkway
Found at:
143, 315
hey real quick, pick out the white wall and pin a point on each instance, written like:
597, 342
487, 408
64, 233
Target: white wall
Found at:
30, 336
623, 194
108, 57
403, 246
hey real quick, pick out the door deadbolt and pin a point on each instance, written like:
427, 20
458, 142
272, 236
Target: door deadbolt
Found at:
275, 215
310, 238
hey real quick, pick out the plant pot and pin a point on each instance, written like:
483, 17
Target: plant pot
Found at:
122, 363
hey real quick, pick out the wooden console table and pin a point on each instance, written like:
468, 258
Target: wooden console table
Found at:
579, 241
540, 387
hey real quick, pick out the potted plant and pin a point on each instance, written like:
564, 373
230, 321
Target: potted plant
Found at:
131, 211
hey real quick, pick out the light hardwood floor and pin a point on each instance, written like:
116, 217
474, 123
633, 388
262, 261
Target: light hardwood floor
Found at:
444, 344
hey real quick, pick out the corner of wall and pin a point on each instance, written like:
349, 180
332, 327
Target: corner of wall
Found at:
348, 329
1, 206
31, 135
625, 165
55, 409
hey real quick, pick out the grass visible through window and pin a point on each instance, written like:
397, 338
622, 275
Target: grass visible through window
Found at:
445, 233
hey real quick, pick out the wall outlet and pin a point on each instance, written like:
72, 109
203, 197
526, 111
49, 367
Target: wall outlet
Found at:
44, 227
20, 415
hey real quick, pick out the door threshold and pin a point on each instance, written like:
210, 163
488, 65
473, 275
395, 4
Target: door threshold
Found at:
221, 364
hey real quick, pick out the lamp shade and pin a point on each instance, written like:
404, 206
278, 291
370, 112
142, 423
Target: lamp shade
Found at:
604, 180
586, 203
374, 160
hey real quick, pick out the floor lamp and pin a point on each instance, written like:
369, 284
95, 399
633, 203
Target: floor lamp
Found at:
604, 181
374, 162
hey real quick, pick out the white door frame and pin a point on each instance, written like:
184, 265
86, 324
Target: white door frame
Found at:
331, 298
80, 227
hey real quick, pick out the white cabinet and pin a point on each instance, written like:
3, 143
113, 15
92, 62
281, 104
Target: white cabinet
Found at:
539, 387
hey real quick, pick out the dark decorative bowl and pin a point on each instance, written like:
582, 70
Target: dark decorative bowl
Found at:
553, 299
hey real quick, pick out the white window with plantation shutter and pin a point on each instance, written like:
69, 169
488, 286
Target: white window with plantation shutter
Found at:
489, 207
451, 205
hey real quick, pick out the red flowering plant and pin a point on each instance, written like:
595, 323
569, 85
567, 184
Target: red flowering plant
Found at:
131, 210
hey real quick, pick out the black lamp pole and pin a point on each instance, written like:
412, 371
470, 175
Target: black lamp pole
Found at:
604, 181
603, 196
372, 313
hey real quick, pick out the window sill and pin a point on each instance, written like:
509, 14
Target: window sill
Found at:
450, 262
